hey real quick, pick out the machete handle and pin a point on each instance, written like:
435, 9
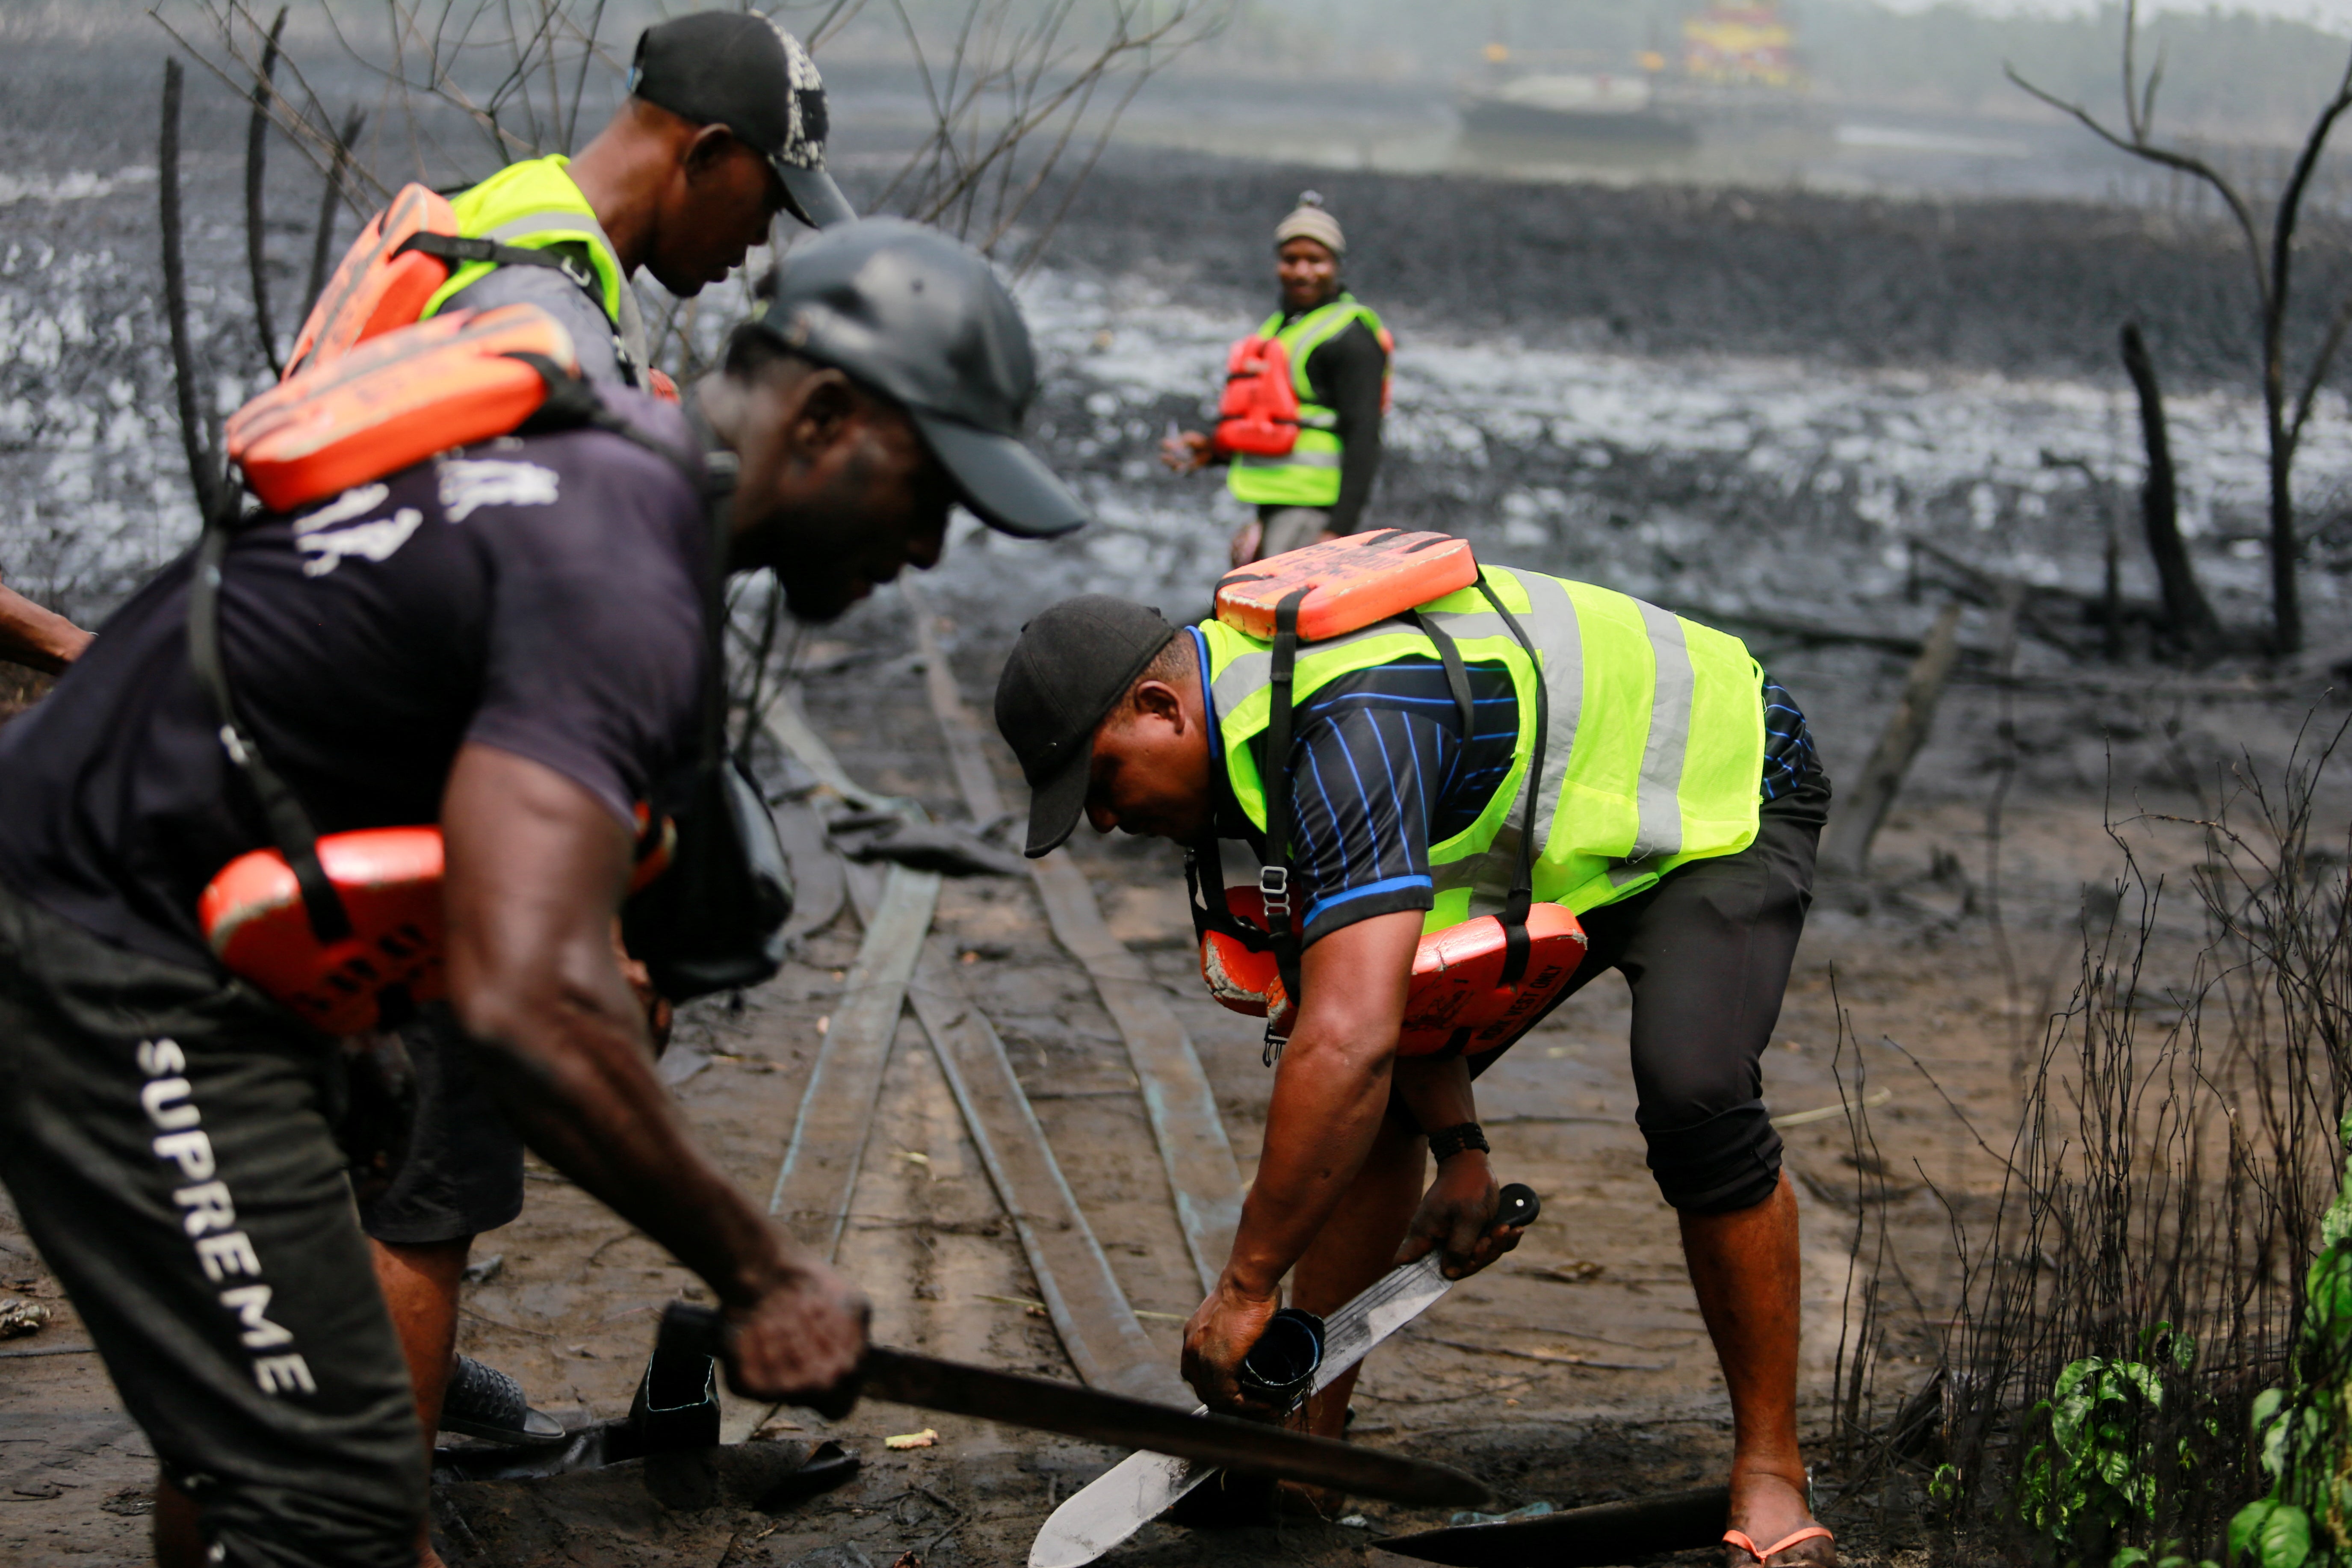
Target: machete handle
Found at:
1519, 1207
688, 1330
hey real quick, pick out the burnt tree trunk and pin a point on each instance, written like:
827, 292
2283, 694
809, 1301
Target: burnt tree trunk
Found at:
1856, 819
2190, 616
256, 156
196, 431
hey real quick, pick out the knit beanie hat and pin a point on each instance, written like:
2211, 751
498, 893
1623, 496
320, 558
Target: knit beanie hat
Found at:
1309, 221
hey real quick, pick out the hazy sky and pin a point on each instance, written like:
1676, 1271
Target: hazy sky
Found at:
2336, 12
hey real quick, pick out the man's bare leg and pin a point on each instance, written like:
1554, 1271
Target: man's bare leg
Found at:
1745, 1267
1357, 1245
420, 1288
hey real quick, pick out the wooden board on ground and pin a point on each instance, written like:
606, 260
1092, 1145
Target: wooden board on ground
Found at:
1199, 1158
1104, 1342
836, 1112
1097, 1328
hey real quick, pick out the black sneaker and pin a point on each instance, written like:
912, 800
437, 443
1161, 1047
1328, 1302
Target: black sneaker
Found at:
483, 1401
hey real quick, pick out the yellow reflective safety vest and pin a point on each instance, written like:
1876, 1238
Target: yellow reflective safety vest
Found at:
534, 205
1308, 474
1653, 749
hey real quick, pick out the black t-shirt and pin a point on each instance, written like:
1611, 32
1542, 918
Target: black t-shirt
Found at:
541, 594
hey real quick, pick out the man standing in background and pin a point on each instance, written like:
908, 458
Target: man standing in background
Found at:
1337, 355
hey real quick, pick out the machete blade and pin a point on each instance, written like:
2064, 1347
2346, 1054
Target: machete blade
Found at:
1143, 1486
1591, 1537
1018, 1399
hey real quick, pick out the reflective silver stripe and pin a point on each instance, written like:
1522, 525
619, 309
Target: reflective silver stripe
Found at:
1550, 622
1255, 670
1288, 460
1659, 795
1322, 421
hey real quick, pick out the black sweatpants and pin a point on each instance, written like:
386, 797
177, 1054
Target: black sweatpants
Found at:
1707, 952
166, 1138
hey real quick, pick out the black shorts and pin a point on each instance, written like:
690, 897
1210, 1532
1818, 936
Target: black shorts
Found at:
167, 1138
1707, 953
463, 1175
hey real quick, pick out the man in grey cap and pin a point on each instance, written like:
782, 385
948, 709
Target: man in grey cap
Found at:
508, 641
723, 128
1336, 355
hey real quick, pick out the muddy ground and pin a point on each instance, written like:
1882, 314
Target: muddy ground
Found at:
1909, 956
1743, 403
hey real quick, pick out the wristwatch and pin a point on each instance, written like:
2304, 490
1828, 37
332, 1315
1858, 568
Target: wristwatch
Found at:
1452, 1140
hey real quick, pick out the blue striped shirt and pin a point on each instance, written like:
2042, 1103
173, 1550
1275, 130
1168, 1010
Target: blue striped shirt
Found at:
1381, 772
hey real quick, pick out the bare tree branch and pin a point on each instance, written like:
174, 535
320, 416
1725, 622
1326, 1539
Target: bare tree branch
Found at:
257, 152
2169, 159
322, 244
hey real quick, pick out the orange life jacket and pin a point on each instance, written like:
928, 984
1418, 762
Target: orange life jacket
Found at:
1258, 412
1455, 1004
378, 285
389, 881
1475, 986
362, 942
395, 268
395, 400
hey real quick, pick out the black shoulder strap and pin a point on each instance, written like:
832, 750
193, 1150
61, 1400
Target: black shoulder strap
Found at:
457, 249
289, 824
1274, 876
1522, 894
1458, 679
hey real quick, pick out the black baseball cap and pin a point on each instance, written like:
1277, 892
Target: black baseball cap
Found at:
922, 319
1070, 668
739, 70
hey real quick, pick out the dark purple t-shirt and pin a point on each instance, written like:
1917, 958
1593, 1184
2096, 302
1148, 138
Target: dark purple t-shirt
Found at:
541, 595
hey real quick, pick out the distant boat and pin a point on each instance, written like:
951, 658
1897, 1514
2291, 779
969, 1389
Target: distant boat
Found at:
1581, 106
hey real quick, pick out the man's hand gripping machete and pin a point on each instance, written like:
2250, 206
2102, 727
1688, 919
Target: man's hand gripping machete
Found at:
1143, 1486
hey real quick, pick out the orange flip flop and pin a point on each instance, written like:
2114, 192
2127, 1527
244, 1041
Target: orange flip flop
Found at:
1766, 1553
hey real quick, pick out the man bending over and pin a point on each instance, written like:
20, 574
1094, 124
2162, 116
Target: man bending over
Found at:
1680, 803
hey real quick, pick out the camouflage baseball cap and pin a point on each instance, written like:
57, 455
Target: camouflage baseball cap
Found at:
739, 69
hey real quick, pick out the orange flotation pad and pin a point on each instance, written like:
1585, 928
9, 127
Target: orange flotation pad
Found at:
1258, 412
374, 290
388, 880
1455, 1004
395, 400
1351, 582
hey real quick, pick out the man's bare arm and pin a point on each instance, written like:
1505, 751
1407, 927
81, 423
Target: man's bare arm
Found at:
1460, 1203
38, 638
1329, 1099
536, 866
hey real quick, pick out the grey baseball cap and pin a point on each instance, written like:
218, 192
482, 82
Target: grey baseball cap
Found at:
922, 319
739, 70
1072, 665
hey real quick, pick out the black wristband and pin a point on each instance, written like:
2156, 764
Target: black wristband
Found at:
1445, 1145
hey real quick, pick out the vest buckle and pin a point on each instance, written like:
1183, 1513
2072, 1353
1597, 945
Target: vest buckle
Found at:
1274, 889
1276, 1036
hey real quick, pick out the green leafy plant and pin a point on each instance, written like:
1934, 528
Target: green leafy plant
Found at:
2303, 1433
2095, 1473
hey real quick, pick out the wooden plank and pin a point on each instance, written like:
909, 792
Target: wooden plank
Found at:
1201, 1171
1098, 1329
836, 1111
1205, 1179
1106, 1344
